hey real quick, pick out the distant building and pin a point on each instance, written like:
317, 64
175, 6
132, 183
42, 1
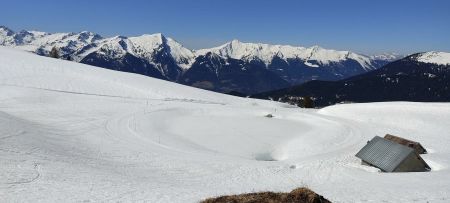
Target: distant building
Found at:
390, 156
409, 143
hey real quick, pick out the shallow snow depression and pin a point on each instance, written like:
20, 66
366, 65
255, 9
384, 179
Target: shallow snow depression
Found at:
72, 132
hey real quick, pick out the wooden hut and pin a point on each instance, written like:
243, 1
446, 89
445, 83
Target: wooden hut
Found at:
390, 156
409, 143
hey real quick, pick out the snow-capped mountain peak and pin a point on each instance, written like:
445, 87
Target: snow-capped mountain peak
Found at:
89, 36
266, 53
249, 51
149, 44
440, 58
4, 31
387, 56
6, 36
114, 47
37, 33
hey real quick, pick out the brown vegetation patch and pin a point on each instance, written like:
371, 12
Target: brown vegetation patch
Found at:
204, 85
299, 195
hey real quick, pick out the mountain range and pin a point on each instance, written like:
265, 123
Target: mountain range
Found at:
421, 77
236, 66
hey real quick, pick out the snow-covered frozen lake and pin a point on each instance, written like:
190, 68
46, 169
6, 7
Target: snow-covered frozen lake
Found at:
75, 133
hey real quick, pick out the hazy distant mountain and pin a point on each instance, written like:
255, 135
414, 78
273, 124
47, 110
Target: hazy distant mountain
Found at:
385, 58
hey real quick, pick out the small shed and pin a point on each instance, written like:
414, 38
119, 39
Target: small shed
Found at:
390, 156
409, 143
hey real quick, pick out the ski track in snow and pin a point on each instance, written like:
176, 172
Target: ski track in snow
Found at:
82, 134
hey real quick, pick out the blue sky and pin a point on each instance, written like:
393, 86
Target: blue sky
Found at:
403, 26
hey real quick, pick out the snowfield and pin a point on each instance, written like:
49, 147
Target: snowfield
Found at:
76, 133
440, 58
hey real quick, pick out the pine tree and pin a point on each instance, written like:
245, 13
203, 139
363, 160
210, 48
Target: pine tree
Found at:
308, 102
54, 53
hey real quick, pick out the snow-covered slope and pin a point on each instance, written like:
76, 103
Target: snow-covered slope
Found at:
71, 77
75, 133
440, 58
265, 52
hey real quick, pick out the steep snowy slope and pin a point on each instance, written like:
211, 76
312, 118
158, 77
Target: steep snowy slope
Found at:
22, 69
149, 43
75, 133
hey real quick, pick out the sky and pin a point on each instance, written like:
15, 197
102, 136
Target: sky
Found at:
368, 27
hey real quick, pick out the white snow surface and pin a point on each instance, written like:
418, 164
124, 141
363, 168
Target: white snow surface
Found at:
440, 58
74, 133
266, 52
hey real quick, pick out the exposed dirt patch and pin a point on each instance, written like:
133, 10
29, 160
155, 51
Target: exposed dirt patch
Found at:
299, 195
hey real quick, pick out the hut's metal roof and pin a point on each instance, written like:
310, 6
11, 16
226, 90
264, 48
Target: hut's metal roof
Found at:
384, 154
